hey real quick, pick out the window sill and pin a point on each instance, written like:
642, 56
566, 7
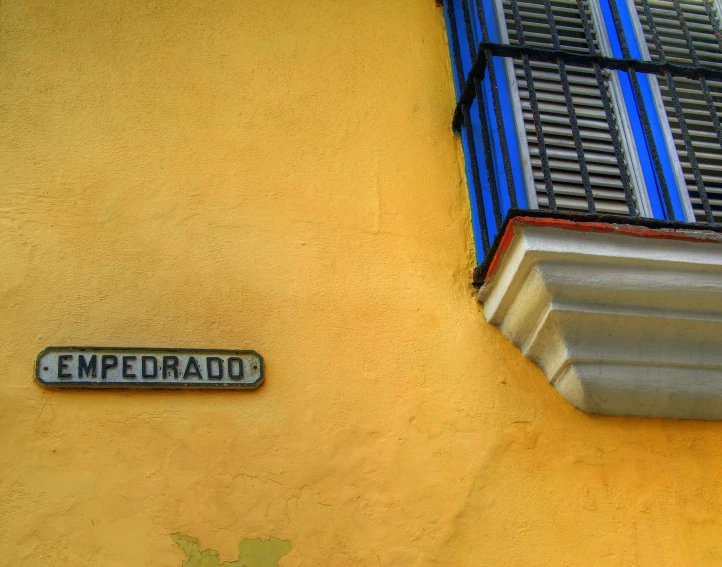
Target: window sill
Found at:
622, 319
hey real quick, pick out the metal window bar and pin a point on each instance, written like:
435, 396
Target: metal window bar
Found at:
639, 100
609, 114
689, 147
486, 138
713, 22
543, 156
464, 116
497, 105
695, 61
482, 63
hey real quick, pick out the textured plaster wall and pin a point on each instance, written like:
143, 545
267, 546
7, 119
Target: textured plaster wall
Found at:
281, 176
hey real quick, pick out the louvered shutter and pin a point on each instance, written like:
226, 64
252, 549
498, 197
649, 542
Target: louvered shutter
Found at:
602, 164
691, 98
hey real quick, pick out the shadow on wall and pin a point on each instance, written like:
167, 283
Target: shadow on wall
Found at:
251, 552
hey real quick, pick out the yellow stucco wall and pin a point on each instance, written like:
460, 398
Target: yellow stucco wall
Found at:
280, 175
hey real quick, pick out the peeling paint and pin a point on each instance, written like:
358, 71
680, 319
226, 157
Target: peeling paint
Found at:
251, 552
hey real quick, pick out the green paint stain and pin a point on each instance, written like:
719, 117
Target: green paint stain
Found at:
251, 552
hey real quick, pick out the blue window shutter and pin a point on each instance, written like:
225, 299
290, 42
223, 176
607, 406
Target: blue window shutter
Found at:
509, 128
653, 187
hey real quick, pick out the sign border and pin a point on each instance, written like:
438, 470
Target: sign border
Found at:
148, 385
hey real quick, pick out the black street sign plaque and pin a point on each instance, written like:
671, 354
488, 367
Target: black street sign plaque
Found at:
91, 367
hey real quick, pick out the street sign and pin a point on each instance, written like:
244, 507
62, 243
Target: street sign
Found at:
91, 367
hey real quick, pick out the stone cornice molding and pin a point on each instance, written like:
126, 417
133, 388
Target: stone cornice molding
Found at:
624, 320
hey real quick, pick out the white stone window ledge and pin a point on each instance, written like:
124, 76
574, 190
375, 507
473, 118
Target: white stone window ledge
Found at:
623, 320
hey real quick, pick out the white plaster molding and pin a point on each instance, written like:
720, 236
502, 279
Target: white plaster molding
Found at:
622, 323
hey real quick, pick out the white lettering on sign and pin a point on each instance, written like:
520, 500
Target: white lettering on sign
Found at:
80, 367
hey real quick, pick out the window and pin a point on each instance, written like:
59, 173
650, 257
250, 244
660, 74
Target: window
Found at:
604, 107
578, 119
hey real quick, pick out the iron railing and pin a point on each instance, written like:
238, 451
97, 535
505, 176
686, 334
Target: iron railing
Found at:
483, 65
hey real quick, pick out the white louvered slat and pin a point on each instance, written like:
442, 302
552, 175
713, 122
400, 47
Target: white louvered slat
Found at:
691, 98
601, 161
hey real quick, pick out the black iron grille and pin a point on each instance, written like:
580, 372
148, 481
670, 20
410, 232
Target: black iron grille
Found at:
581, 67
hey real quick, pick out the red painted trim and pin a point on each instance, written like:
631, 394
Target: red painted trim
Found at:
504, 243
625, 229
